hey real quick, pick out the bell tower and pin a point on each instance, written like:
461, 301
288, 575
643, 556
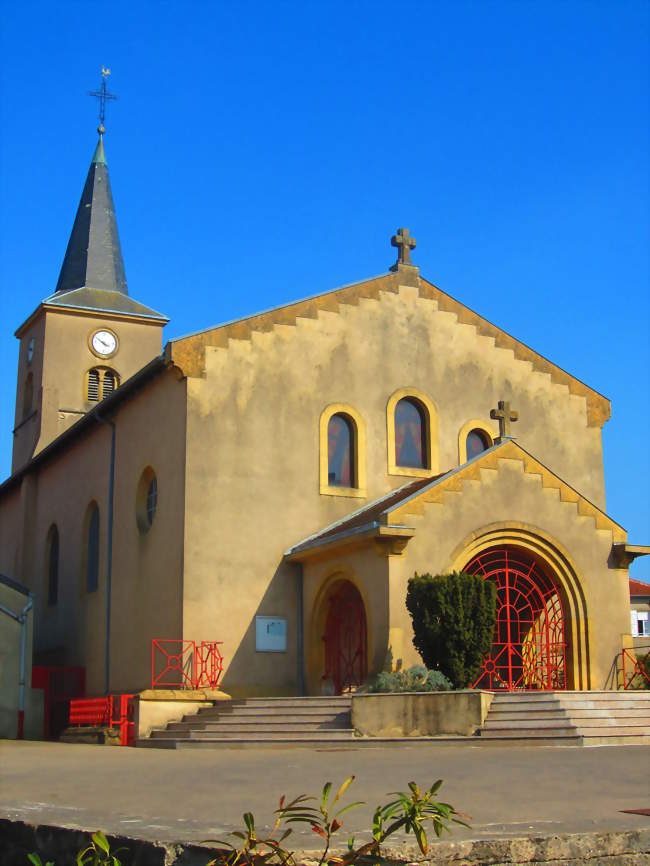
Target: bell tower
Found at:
86, 339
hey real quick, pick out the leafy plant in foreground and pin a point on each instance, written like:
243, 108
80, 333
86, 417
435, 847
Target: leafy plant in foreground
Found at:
98, 853
413, 679
409, 812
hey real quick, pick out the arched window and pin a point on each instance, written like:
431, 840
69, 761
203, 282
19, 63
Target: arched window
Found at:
28, 395
410, 434
100, 383
146, 502
92, 548
342, 451
52, 565
474, 437
477, 442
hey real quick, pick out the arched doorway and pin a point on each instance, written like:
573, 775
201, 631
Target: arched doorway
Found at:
345, 637
528, 647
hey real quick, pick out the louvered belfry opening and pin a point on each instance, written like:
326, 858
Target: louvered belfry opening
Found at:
93, 386
108, 384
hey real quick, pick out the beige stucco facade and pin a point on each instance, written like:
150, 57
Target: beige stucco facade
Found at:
230, 422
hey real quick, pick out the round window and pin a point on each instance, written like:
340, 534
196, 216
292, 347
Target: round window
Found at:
146, 500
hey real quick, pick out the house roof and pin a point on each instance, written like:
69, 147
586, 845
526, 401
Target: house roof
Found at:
638, 588
393, 509
189, 352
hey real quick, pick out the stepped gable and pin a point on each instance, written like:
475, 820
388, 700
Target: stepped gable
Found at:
188, 352
394, 509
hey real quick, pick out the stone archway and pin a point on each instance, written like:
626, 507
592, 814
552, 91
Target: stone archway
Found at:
344, 636
529, 647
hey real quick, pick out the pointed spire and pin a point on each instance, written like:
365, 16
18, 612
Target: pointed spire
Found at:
93, 258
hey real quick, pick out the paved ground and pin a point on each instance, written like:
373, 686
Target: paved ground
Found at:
196, 795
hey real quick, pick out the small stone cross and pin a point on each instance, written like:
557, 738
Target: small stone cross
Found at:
405, 243
504, 415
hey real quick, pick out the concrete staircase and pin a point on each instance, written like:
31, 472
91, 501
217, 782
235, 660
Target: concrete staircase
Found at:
259, 721
569, 718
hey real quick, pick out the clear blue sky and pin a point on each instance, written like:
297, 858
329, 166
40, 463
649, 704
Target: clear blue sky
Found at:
262, 152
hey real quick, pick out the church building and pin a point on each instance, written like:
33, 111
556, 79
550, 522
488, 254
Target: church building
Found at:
272, 483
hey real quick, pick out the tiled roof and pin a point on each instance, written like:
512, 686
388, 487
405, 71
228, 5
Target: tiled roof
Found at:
637, 587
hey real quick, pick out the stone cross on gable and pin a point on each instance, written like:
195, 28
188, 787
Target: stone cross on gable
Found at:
405, 243
505, 416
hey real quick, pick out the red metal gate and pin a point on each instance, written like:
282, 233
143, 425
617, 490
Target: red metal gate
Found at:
345, 639
528, 647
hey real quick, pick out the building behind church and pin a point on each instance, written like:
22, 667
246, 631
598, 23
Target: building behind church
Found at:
272, 483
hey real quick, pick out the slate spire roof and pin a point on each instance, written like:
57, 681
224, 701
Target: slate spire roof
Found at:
92, 275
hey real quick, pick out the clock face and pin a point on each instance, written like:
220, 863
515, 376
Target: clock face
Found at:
104, 343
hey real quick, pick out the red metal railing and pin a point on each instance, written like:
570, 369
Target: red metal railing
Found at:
114, 711
185, 664
634, 669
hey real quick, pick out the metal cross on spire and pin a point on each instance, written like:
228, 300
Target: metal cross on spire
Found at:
102, 95
405, 243
505, 416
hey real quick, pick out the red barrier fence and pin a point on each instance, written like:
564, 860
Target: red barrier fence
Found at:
634, 670
114, 711
185, 664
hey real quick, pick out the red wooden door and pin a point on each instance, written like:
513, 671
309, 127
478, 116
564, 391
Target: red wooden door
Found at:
345, 638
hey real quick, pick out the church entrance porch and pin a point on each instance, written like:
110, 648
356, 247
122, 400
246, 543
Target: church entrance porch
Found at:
345, 638
528, 647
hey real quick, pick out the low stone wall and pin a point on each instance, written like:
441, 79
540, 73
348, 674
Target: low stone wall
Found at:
156, 708
420, 714
624, 848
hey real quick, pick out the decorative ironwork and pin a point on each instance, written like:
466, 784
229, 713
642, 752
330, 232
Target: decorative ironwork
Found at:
103, 95
528, 648
345, 639
185, 664
114, 711
634, 669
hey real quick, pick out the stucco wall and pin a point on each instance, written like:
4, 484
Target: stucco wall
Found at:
420, 715
10, 670
146, 569
252, 485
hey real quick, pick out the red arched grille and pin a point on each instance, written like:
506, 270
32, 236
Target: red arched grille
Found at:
528, 647
345, 638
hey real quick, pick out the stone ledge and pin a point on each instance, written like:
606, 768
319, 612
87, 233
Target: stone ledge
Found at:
183, 695
624, 848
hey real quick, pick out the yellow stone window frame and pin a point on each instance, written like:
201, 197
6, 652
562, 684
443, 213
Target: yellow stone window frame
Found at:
468, 426
431, 438
358, 444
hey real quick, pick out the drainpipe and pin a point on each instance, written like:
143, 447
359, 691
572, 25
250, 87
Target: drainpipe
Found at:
22, 619
109, 555
301, 635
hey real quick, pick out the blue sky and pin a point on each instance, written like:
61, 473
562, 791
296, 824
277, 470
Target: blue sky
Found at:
262, 152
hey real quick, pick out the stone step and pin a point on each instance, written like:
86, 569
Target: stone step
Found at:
326, 734
614, 731
525, 733
270, 712
526, 723
511, 715
277, 702
286, 724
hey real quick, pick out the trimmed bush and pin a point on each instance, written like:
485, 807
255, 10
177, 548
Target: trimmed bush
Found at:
453, 619
415, 679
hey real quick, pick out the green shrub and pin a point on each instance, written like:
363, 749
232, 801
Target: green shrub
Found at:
415, 679
453, 622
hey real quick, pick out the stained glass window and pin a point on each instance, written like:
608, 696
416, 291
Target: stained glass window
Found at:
477, 441
92, 551
410, 435
340, 452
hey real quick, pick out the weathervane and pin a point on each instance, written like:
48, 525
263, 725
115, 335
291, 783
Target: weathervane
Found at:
102, 95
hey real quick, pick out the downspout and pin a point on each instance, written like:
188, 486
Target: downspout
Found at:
301, 635
22, 619
109, 555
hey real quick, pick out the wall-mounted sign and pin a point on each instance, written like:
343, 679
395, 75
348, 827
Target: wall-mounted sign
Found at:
270, 634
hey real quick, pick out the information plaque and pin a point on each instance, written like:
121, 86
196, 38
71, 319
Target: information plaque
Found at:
270, 634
